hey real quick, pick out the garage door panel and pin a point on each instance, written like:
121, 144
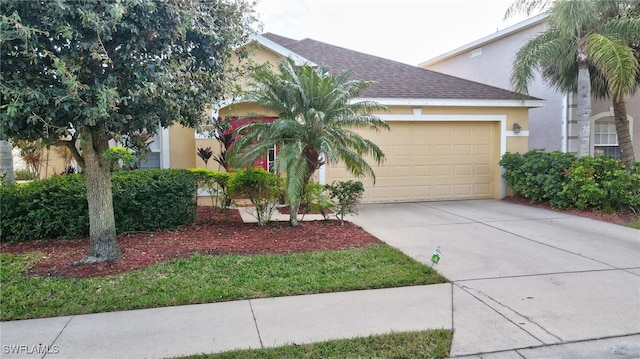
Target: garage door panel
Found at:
480, 170
462, 190
463, 170
432, 161
442, 150
466, 150
482, 189
402, 172
422, 150
482, 150
402, 150
421, 171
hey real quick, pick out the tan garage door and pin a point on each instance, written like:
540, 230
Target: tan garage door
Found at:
427, 161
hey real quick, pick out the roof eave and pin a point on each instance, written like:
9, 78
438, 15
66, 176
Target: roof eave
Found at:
454, 102
281, 50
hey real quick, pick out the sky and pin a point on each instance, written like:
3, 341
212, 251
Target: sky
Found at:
408, 31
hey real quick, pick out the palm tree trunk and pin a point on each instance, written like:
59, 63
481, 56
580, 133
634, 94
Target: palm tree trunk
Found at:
584, 110
6, 161
293, 213
622, 129
102, 229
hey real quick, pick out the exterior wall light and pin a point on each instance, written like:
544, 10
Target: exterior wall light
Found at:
516, 128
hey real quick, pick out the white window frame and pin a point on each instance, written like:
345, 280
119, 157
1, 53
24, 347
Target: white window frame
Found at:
605, 116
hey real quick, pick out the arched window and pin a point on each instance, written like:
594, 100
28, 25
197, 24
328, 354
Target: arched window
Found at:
605, 139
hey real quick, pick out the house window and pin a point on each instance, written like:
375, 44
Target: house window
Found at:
271, 159
605, 139
152, 160
475, 53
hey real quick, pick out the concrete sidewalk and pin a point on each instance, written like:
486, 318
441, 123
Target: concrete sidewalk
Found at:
526, 283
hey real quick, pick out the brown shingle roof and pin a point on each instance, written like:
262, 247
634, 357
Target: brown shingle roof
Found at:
394, 79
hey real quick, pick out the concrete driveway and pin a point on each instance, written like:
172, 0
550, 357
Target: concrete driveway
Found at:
524, 277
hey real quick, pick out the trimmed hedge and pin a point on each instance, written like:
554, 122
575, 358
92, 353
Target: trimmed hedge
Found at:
143, 200
568, 182
51, 208
151, 200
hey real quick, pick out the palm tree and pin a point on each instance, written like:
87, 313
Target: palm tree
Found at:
316, 116
622, 22
578, 37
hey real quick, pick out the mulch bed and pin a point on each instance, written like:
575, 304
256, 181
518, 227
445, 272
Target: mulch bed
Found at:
210, 235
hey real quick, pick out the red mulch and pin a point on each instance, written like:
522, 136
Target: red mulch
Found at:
617, 218
210, 235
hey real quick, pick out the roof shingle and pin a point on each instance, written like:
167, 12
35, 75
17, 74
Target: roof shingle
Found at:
394, 79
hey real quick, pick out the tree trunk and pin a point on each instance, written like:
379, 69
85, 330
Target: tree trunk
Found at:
312, 166
6, 161
622, 129
102, 228
584, 110
293, 213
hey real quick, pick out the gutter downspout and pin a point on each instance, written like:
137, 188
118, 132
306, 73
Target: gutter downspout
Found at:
566, 115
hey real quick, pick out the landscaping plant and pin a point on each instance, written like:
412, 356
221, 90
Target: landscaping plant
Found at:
144, 200
216, 183
565, 181
317, 111
345, 194
74, 73
261, 187
315, 199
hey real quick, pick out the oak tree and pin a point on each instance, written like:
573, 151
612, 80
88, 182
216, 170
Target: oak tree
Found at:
74, 72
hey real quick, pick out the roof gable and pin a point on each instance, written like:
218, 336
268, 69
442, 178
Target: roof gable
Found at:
395, 80
523, 25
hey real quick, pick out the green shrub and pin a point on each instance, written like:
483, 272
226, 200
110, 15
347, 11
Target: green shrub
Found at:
346, 194
216, 184
148, 200
120, 158
602, 183
57, 207
50, 208
566, 182
536, 175
23, 175
316, 199
262, 188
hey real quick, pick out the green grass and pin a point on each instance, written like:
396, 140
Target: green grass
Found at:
206, 279
633, 224
432, 344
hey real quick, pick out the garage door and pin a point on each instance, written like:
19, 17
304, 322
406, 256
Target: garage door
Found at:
428, 161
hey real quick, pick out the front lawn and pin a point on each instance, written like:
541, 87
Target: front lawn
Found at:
205, 279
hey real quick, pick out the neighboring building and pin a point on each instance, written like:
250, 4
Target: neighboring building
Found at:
553, 127
447, 134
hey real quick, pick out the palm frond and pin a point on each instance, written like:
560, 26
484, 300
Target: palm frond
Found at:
615, 61
316, 111
541, 50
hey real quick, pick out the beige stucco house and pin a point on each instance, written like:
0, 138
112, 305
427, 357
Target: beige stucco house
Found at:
447, 134
552, 127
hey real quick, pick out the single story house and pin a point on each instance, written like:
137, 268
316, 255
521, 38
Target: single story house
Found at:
447, 134
553, 127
